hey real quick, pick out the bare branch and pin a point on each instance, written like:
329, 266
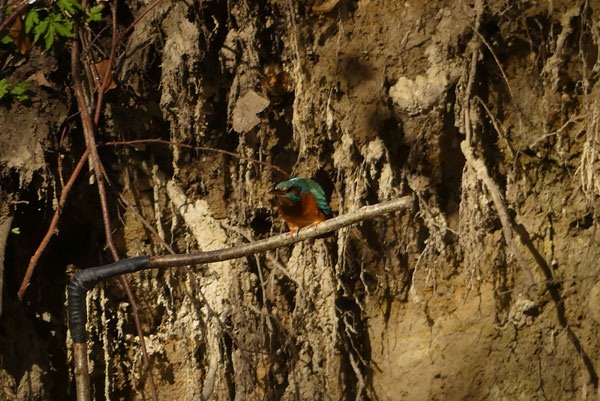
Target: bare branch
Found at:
201, 148
111, 60
87, 278
364, 213
19, 9
88, 130
137, 19
508, 226
53, 223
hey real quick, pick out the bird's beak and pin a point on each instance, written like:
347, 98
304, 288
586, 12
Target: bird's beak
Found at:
277, 191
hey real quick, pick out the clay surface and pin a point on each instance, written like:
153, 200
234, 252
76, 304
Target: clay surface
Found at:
487, 289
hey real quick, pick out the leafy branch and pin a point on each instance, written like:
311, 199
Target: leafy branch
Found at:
54, 20
18, 91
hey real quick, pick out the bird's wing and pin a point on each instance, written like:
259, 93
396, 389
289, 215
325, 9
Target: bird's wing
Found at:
320, 197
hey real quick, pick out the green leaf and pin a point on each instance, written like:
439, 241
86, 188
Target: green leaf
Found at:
6, 39
40, 29
77, 5
20, 88
20, 91
16, 230
66, 5
64, 29
69, 5
4, 87
97, 9
95, 14
49, 36
31, 20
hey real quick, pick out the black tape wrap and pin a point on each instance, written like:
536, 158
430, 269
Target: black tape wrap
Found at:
85, 280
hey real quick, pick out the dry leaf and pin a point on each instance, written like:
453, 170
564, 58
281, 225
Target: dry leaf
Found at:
246, 109
101, 67
18, 35
40, 78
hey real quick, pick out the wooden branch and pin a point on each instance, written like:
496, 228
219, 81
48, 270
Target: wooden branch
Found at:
4, 233
108, 73
200, 148
15, 13
481, 170
508, 226
53, 223
137, 19
364, 213
82, 376
88, 131
85, 279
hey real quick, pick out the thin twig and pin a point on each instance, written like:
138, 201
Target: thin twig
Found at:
2, 8
209, 382
138, 18
89, 67
84, 280
508, 225
489, 47
478, 165
59, 157
88, 130
111, 59
496, 125
53, 223
278, 241
134, 308
13, 14
508, 87
571, 120
270, 258
201, 148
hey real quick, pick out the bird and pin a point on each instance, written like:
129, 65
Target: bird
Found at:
302, 202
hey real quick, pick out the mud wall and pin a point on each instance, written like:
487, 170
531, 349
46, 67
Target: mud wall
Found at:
485, 113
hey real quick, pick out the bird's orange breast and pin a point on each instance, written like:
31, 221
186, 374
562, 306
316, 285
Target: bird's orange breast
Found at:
303, 213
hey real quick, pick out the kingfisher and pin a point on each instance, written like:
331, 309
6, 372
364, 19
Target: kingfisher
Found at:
302, 202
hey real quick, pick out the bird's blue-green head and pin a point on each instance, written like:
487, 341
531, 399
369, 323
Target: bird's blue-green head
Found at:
293, 189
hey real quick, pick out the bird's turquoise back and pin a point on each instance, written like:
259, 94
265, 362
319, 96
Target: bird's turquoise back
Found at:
306, 185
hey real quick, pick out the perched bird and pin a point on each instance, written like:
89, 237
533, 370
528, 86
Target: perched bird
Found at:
302, 202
